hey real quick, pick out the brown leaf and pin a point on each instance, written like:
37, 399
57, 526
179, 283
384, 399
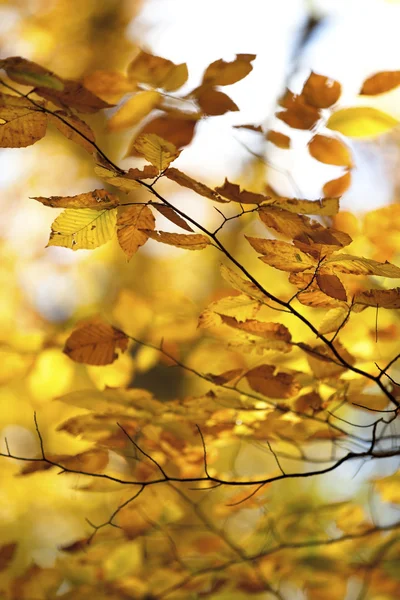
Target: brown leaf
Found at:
358, 265
221, 72
298, 114
7, 552
130, 225
212, 102
324, 207
172, 216
330, 151
268, 331
74, 95
98, 200
262, 379
320, 91
108, 85
94, 342
381, 298
279, 139
179, 131
180, 240
232, 191
283, 221
337, 187
225, 377
380, 83
74, 129
331, 286
157, 71
21, 123
323, 363
186, 181
255, 128
281, 255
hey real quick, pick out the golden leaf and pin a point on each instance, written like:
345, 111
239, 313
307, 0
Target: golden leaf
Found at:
281, 255
130, 224
326, 207
331, 286
27, 72
243, 285
330, 151
337, 187
221, 72
178, 130
361, 122
157, 72
21, 123
241, 307
134, 110
74, 129
97, 200
172, 216
379, 83
279, 139
157, 151
320, 91
232, 191
333, 319
73, 95
186, 181
125, 183
213, 102
186, 242
382, 298
323, 362
83, 228
268, 331
358, 265
94, 342
262, 379
108, 85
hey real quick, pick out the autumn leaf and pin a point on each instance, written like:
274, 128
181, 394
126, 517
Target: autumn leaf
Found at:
382, 298
157, 151
279, 139
130, 223
282, 255
297, 114
27, 72
330, 151
361, 122
7, 552
213, 102
95, 342
124, 182
221, 72
170, 214
241, 307
178, 130
331, 285
232, 191
21, 123
337, 187
274, 332
186, 181
186, 242
83, 228
326, 207
74, 129
241, 284
320, 91
358, 265
264, 380
108, 85
381, 82
97, 200
157, 72
333, 320
73, 95
323, 362
134, 110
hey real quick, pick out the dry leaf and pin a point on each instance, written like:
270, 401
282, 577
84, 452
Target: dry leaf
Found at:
320, 91
130, 223
213, 102
221, 72
358, 265
21, 123
178, 130
382, 298
279, 139
379, 83
232, 191
94, 342
186, 242
186, 181
172, 216
331, 286
157, 72
282, 255
157, 151
262, 379
97, 200
134, 110
330, 151
74, 129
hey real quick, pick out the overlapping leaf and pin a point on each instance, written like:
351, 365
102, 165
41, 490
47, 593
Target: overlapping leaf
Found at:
282, 255
131, 222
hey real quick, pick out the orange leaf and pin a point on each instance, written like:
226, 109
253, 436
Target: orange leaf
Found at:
172, 216
330, 151
232, 191
279, 139
186, 181
262, 379
221, 72
212, 102
130, 225
108, 85
331, 286
157, 71
320, 91
380, 83
74, 95
337, 187
179, 131
97, 200
94, 342
134, 110
298, 114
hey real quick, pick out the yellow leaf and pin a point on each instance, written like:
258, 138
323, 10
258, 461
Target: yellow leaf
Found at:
330, 151
281, 255
123, 182
240, 283
186, 181
97, 200
134, 110
186, 242
108, 85
333, 319
124, 560
21, 123
358, 265
94, 342
263, 379
279, 139
268, 331
129, 225
86, 228
323, 362
324, 207
157, 151
361, 121
221, 72
157, 71
320, 91
241, 307
380, 83
381, 298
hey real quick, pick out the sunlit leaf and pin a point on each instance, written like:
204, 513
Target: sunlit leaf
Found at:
381, 82
232, 191
238, 282
123, 560
130, 223
170, 214
95, 342
361, 122
221, 72
279, 139
134, 110
157, 151
186, 181
195, 241
282, 255
178, 130
83, 229
320, 91
74, 129
333, 319
241, 307
269, 331
382, 298
357, 265
337, 187
97, 200
265, 380
108, 85
330, 151
21, 123
331, 285
157, 72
